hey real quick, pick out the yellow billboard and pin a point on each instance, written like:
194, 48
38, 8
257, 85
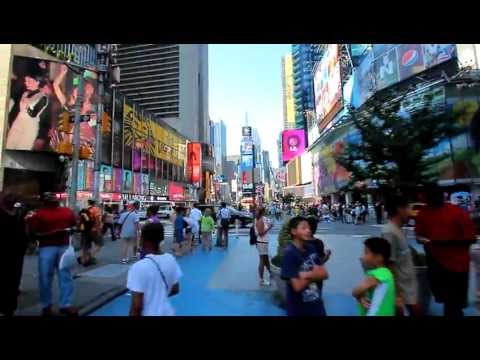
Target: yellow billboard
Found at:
147, 134
289, 98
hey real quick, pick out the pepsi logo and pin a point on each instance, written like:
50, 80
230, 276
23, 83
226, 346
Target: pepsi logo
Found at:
410, 57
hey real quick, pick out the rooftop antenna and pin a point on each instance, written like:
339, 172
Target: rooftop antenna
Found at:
246, 118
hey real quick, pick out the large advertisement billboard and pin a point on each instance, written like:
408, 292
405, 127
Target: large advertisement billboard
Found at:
194, 163
246, 147
117, 180
106, 179
289, 100
127, 181
386, 69
41, 94
388, 64
247, 162
293, 144
327, 84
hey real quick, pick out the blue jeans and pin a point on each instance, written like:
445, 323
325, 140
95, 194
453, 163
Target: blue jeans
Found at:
48, 260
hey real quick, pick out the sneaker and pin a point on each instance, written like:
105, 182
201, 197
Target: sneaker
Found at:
124, 261
266, 283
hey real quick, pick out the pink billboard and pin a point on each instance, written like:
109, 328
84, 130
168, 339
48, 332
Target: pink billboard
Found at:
293, 144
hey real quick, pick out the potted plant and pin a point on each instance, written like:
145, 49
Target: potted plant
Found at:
284, 238
420, 264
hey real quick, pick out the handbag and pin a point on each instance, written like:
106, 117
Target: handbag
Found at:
68, 258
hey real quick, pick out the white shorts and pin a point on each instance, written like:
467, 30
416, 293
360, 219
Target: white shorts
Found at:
262, 248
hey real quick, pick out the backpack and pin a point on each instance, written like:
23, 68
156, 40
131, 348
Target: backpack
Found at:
253, 235
87, 221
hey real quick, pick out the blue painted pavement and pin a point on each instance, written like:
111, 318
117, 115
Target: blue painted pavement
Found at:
219, 283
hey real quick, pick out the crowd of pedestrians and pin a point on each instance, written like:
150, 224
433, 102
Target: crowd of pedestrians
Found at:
389, 287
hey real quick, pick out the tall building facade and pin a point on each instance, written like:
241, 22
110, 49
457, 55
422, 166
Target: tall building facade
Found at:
302, 59
170, 81
288, 96
220, 146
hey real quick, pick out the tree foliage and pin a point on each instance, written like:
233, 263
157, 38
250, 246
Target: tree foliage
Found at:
394, 144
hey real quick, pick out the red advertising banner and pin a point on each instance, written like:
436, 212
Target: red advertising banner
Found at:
176, 191
194, 164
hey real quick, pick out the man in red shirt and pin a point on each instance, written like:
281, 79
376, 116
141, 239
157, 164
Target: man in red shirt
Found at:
51, 224
447, 233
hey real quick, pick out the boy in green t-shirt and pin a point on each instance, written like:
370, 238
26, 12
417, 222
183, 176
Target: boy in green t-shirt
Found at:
376, 293
207, 225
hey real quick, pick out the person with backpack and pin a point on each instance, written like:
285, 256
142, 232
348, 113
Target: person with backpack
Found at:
262, 227
224, 216
108, 222
207, 225
129, 228
155, 278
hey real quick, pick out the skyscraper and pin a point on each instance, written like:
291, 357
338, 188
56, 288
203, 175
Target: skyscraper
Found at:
170, 81
288, 99
220, 146
302, 58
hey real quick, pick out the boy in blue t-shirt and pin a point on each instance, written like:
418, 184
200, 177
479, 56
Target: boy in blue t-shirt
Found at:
303, 270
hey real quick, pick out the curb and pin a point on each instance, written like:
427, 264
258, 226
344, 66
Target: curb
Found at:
100, 300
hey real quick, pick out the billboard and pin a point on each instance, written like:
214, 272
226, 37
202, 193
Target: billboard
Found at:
106, 178
247, 131
41, 92
435, 54
389, 64
293, 143
117, 128
194, 163
137, 183
117, 180
127, 181
306, 166
328, 175
288, 97
364, 82
247, 162
246, 148
410, 60
386, 69
176, 191
145, 184
327, 83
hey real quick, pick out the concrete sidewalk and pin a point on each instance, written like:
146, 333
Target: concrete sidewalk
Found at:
91, 288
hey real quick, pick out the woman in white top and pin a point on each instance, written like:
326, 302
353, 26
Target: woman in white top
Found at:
262, 227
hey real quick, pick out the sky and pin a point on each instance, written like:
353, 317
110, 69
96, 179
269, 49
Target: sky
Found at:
247, 78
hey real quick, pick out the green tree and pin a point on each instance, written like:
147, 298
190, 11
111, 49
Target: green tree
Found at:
394, 144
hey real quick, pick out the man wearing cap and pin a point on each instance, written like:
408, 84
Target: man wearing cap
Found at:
51, 225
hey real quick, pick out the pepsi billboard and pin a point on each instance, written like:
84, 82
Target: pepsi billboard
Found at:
388, 64
410, 60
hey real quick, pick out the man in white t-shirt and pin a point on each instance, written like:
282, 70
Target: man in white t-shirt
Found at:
155, 278
129, 223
